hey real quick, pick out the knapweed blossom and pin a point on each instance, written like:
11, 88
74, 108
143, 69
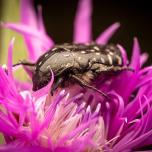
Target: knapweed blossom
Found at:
71, 120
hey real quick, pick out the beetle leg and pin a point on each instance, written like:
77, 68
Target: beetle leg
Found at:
84, 84
118, 68
104, 68
56, 85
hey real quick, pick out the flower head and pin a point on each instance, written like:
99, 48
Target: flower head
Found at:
72, 120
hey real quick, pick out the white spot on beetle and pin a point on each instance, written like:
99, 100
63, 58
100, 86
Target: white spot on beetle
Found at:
102, 60
48, 67
79, 58
110, 59
94, 59
98, 53
66, 49
92, 50
46, 54
111, 53
40, 63
54, 49
96, 48
83, 52
66, 55
68, 65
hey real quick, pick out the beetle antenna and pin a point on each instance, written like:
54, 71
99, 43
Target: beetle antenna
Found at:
26, 63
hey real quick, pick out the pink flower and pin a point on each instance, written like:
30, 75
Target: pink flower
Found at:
73, 121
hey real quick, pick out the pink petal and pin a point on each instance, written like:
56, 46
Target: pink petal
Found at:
40, 20
77, 131
135, 59
107, 34
29, 18
28, 31
9, 58
36, 41
28, 15
143, 58
82, 23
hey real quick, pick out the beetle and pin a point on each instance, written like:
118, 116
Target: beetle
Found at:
80, 63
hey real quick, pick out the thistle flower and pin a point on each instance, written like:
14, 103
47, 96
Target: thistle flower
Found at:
73, 121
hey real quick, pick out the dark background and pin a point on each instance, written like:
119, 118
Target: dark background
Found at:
135, 17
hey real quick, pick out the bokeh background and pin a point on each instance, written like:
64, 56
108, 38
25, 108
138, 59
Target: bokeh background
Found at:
135, 18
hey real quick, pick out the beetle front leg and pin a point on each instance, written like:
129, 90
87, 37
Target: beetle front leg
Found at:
84, 84
56, 85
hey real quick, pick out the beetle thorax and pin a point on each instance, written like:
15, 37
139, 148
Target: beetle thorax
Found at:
57, 62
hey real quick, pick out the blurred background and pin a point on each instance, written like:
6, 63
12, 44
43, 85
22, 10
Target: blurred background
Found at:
135, 18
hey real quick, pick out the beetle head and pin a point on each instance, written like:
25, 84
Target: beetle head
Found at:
40, 79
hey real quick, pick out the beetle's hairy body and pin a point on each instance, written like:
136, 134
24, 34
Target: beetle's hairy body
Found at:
82, 61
